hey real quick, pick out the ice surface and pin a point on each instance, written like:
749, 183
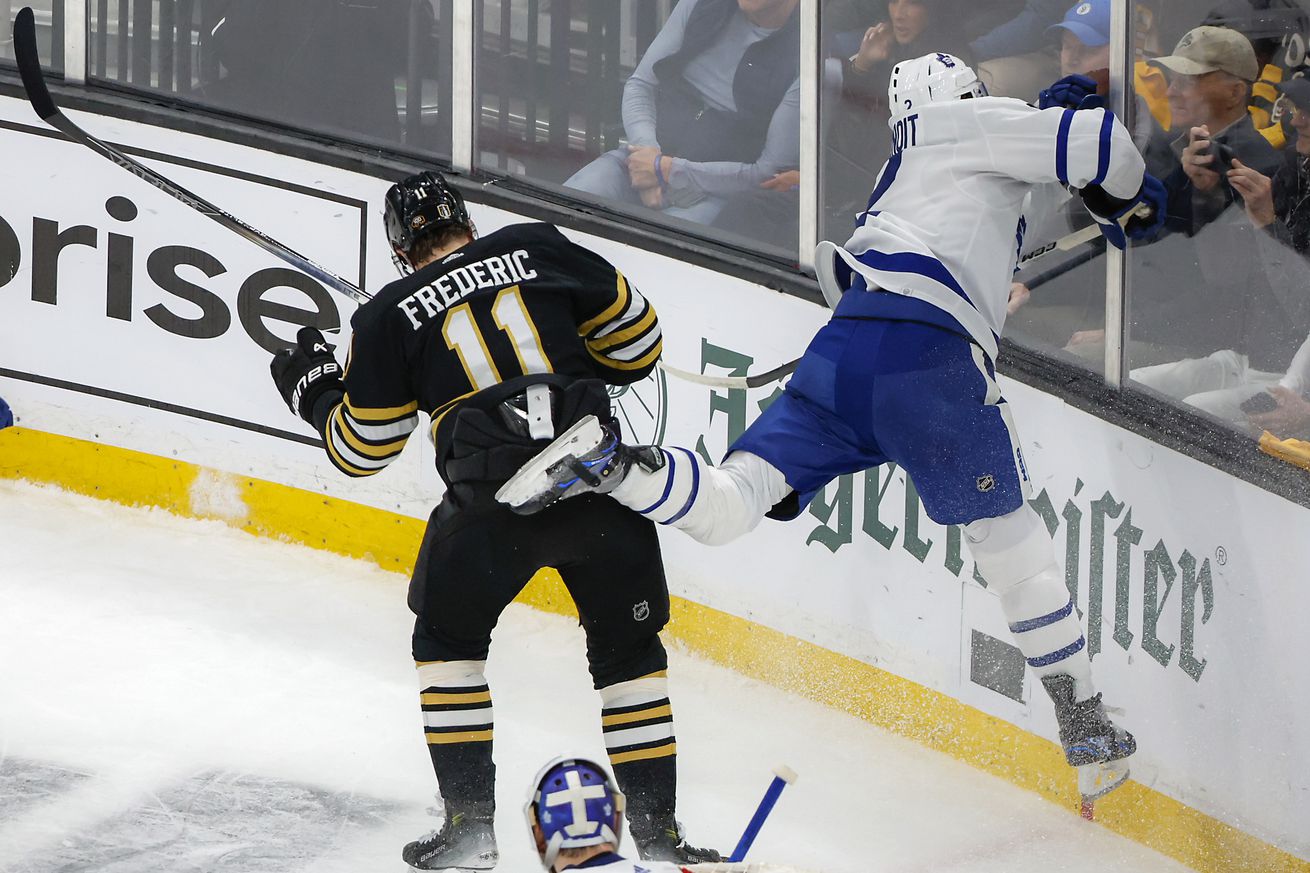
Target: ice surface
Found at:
177, 697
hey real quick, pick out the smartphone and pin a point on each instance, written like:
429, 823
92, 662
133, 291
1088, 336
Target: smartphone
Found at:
1223, 157
1262, 402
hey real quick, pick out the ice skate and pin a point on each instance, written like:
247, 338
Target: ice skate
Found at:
586, 458
463, 842
1092, 743
1087, 734
665, 840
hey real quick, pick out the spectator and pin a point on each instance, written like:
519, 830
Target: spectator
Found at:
856, 140
1201, 290
913, 28
713, 109
1212, 71
1272, 26
1222, 382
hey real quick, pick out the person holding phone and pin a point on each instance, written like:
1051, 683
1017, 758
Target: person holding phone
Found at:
1211, 72
1246, 386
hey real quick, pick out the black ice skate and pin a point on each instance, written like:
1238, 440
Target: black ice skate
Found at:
664, 840
1092, 743
588, 458
464, 842
1088, 736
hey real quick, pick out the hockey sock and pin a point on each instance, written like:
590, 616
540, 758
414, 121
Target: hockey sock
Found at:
1015, 556
1041, 616
637, 720
457, 721
715, 505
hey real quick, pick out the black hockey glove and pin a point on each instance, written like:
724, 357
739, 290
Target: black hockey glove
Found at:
306, 373
1109, 211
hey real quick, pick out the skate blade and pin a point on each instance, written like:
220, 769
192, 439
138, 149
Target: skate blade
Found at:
1097, 780
533, 479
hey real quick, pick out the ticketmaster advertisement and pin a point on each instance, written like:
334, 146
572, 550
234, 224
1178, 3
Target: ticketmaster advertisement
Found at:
136, 322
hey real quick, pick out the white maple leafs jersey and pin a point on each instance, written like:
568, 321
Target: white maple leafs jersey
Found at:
944, 219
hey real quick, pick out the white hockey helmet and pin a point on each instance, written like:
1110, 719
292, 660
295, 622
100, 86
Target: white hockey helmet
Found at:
933, 78
572, 803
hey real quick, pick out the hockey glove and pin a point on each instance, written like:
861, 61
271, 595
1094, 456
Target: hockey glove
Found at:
306, 373
1071, 92
1120, 219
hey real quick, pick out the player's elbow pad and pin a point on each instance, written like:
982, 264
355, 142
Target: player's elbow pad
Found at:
1100, 202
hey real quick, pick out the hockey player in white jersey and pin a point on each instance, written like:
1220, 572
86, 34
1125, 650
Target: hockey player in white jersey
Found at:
575, 817
904, 370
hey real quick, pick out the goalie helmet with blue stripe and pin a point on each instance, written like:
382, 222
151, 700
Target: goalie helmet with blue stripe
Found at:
932, 78
572, 804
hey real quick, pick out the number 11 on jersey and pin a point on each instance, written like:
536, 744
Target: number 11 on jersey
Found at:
464, 338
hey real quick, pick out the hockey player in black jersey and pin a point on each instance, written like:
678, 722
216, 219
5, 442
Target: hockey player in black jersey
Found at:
502, 342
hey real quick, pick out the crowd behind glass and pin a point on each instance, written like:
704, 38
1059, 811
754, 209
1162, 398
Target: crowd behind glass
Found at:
689, 112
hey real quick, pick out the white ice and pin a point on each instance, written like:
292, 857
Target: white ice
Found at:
177, 696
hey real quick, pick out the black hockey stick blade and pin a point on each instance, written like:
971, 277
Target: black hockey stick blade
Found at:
773, 375
38, 94
732, 382
29, 64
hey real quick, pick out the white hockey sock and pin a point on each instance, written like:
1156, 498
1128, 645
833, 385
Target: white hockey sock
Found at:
1015, 555
1041, 616
456, 702
637, 720
715, 505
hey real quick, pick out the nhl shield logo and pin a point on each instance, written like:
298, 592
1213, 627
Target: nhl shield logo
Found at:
986, 483
641, 611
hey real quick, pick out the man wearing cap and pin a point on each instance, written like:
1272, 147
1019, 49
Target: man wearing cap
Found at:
1223, 382
1236, 319
1212, 71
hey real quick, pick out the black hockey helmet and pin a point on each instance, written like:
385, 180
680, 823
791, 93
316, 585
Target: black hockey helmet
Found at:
421, 204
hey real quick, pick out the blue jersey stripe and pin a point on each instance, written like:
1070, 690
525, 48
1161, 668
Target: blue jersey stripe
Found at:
695, 484
1062, 147
668, 485
1103, 148
889, 171
913, 262
1050, 618
1055, 657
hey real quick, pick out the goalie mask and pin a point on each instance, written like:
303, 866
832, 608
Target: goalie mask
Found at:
420, 205
933, 78
572, 804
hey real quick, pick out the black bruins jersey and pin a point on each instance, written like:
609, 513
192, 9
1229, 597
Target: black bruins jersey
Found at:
521, 301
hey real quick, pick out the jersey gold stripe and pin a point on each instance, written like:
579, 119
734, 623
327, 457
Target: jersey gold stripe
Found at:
339, 434
364, 413
642, 754
440, 413
455, 697
620, 303
644, 361
459, 737
370, 449
341, 463
639, 715
622, 336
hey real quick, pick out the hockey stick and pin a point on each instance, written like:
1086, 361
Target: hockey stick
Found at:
782, 777
29, 67
1063, 244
